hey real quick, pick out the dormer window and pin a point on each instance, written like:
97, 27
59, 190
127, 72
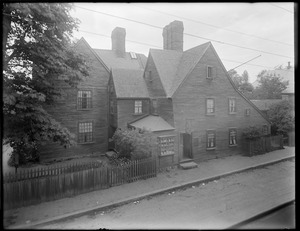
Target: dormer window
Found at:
133, 55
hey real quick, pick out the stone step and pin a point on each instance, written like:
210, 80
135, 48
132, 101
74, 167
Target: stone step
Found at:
188, 165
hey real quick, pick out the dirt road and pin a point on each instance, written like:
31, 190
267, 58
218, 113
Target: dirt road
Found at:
215, 205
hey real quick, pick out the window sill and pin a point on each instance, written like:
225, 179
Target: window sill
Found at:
232, 113
92, 142
233, 145
138, 114
208, 149
167, 155
210, 114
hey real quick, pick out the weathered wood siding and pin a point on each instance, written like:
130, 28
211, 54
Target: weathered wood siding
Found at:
125, 108
65, 111
165, 109
153, 82
113, 116
189, 104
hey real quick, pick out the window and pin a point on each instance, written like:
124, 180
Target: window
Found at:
232, 106
133, 55
154, 106
265, 130
247, 112
210, 106
85, 132
112, 107
209, 72
211, 139
84, 99
166, 145
232, 137
137, 107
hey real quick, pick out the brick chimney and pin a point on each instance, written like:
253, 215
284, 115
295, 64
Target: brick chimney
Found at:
173, 36
118, 41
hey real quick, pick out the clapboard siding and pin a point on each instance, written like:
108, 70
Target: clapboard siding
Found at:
165, 109
189, 104
65, 111
125, 108
153, 82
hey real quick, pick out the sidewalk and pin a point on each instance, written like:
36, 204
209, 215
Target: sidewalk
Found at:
27, 217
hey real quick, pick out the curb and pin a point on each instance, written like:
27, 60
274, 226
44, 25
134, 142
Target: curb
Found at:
140, 197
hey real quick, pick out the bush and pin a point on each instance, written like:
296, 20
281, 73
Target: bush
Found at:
133, 144
252, 133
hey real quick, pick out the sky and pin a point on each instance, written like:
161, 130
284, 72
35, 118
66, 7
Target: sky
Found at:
239, 32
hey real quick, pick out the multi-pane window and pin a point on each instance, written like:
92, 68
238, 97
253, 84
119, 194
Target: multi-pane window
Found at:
265, 129
210, 139
210, 106
137, 107
85, 132
232, 137
209, 72
84, 99
166, 145
232, 105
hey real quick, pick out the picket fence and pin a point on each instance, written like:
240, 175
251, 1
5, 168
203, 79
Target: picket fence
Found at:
40, 185
263, 145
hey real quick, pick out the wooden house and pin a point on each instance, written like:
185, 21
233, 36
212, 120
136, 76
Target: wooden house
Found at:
185, 98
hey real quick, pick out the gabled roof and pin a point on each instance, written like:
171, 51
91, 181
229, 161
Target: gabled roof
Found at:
152, 123
264, 104
173, 66
129, 83
112, 60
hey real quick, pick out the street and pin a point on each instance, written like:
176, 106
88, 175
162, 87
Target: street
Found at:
215, 205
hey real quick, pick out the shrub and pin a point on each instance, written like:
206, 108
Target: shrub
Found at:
133, 144
252, 133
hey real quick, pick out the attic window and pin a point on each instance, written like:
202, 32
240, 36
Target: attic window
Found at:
209, 72
133, 55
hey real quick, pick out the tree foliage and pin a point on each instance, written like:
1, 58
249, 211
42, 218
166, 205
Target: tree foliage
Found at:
270, 87
281, 117
241, 82
133, 143
38, 60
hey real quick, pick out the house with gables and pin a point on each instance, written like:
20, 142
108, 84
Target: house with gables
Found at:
185, 98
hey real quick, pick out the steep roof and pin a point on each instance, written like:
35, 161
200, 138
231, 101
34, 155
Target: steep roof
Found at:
112, 60
152, 123
173, 66
129, 83
264, 104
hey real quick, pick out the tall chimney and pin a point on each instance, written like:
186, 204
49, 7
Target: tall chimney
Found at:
118, 41
173, 36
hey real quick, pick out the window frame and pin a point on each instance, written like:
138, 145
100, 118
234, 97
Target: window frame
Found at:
82, 140
206, 106
229, 106
265, 129
229, 136
138, 109
89, 100
208, 132
208, 67
166, 147
246, 112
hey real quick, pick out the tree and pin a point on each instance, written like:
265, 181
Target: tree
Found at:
241, 82
270, 87
281, 117
38, 59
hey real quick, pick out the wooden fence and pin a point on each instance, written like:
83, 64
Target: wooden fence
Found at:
39, 185
263, 145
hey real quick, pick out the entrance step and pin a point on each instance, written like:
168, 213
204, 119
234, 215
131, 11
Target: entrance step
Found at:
188, 165
185, 160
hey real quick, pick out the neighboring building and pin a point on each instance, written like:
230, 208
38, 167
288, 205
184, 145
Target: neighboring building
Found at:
264, 104
287, 74
185, 98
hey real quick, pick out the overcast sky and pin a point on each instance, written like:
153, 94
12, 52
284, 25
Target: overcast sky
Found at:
219, 23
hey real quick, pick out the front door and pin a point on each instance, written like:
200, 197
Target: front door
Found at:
187, 145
